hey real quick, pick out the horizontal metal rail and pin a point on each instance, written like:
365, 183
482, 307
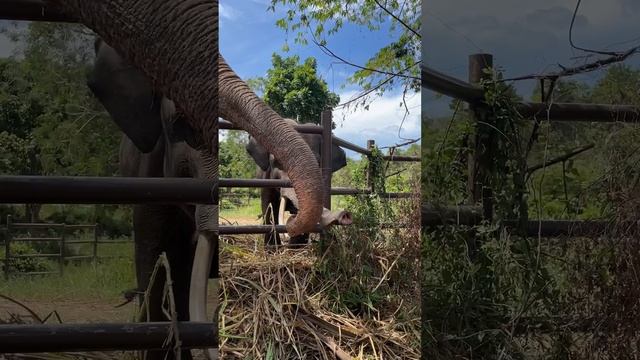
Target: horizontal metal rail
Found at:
253, 183
50, 225
256, 229
104, 190
31, 10
301, 128
351, 146
104, 337
124, 190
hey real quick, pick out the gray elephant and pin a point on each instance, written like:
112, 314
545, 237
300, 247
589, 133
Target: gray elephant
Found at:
175, 47
158, 143
285, 199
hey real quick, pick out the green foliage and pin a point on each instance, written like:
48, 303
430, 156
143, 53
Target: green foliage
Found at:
485, 290
444, 168
46, 103
619, 85
359, 254
316, 18
368, 209
235, 162
25, 264
569, 91
295, 90
50, 123
504, 151
81, 281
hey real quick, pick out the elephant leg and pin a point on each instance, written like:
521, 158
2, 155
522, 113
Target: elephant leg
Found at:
270, 202
161, 228
180, 253
150, 230
299, 240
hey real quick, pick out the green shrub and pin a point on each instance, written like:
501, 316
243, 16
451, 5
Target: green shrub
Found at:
23, 265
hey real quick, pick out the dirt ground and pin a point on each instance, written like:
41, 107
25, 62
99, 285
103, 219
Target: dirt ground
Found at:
73, 310
70, 311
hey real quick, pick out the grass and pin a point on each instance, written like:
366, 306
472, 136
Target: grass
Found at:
252, 210
105, 280
358, 300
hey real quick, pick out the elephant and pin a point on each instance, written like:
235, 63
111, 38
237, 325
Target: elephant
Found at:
174, 44
284, 199
150, 118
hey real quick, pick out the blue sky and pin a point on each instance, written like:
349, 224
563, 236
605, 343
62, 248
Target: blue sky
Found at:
525, 37
249, 36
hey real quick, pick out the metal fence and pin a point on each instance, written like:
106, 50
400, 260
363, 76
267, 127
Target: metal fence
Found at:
97, 190
324, 129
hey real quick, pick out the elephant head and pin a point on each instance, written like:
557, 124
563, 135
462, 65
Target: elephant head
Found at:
175, 44
285, 198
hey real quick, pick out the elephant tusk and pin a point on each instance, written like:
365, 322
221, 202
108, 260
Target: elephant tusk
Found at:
199, 278
281, 221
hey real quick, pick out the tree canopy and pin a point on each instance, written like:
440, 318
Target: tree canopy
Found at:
392, 65
295, 90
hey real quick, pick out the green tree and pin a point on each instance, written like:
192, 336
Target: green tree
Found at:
50, 123
235, 162
566, 91
393, 65
619, 86
295, 90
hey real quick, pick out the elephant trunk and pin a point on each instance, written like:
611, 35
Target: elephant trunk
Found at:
240, 105
327, 218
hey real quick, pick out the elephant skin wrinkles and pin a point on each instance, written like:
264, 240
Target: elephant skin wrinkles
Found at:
286, 199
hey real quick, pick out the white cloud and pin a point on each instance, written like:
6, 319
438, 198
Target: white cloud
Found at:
381, 122
228, 12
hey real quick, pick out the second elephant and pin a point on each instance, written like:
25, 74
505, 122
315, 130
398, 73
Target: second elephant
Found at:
274, 201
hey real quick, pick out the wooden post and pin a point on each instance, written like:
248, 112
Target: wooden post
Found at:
325, 156
62, 244
479, 144
7, 250
95, 245
371, 144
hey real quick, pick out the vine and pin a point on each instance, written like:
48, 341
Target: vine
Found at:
502, 153
370, 208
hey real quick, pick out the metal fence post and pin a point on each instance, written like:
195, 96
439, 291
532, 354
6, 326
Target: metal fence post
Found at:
7, 250
62, 243
371, 144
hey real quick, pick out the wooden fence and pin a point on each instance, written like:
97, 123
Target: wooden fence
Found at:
62, 256
480, 200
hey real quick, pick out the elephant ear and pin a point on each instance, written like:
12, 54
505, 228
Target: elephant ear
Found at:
259, 154
338, 158
128, 97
